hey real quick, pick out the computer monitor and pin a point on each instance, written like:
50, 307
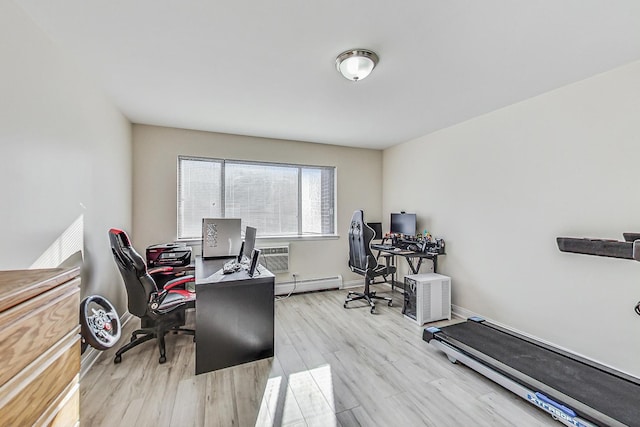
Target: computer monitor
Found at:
249, 242
255, 256
220, 237
403, 223
377, 229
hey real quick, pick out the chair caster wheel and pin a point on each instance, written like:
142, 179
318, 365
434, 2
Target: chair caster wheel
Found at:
390, 303
344, 305
117, 359
162, 359
373, 310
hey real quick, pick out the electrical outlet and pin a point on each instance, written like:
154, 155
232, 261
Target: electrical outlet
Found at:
295, 275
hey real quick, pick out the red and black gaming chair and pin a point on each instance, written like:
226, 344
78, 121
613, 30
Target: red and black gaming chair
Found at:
161, 310
362, 261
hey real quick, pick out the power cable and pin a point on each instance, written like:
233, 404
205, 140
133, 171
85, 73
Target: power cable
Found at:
295, 282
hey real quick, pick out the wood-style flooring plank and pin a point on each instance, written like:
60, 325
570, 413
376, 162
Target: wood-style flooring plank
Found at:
333, 367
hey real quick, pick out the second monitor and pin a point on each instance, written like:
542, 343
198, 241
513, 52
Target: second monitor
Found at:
248, 244
403, 223
377, 230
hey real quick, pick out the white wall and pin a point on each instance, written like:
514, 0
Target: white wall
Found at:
155, 153
66, 155
501, 188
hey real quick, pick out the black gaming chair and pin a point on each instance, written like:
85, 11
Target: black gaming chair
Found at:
160, 310
362, 261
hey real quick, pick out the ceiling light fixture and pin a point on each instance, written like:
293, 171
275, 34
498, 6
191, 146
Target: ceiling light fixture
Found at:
356, 64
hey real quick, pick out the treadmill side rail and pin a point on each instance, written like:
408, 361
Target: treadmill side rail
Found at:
550, 407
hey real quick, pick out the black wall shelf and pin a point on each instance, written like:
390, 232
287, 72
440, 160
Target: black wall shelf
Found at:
627, 249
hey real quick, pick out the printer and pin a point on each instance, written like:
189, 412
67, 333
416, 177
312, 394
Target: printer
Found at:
169, 255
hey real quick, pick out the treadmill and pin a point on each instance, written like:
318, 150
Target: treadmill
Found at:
573, 390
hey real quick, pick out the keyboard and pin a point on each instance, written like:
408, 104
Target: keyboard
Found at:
385, 247
231, 266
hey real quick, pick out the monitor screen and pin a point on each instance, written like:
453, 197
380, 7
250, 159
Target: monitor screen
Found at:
377, 229
403, 223
249, 241
220, 237
255, 256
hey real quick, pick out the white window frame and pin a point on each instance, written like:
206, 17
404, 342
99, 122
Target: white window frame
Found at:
299, 167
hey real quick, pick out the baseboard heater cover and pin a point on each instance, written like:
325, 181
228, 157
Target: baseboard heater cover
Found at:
322, 284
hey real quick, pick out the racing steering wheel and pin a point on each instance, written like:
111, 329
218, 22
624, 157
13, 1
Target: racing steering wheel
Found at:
99, 323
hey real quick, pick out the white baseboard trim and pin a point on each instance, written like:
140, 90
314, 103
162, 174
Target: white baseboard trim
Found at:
463, 313
91, 355
352, 284
284, 288
360, 283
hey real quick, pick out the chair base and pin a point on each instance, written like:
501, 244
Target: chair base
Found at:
367, 295
149, 334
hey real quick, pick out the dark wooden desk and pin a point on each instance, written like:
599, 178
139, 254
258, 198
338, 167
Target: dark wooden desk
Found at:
234, 316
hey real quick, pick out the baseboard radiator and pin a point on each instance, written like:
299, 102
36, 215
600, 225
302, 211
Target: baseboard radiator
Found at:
283, 288
275, 258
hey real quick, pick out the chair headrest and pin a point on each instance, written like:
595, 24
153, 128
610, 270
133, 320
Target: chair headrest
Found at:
120, 237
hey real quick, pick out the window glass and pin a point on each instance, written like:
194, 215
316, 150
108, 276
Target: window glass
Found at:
199, 194
264, 196
276, 199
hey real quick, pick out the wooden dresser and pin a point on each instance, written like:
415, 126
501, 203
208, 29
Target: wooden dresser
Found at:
39, 347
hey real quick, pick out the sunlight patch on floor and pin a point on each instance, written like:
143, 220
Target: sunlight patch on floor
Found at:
269, 403
307, 392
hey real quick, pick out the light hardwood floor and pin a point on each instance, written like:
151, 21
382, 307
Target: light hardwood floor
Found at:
333, 367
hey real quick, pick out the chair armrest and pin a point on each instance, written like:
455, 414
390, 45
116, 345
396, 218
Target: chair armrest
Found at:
371, 265
371, 262
169, 300
178, 281
156, 298
157, 270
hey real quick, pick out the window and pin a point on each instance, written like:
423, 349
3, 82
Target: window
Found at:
276, 199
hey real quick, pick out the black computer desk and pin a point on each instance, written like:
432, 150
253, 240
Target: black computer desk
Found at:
410, 256
234, 316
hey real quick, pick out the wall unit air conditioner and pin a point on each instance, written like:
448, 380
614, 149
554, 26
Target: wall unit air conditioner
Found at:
275, 258
427, 297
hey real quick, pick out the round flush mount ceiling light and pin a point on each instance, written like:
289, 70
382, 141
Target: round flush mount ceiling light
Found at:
356, 64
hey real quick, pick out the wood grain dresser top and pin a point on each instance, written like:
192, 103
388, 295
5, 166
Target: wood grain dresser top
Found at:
17, 286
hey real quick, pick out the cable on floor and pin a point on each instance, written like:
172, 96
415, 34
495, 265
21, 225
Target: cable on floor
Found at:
295, 282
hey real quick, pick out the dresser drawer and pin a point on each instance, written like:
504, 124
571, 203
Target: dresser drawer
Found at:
65, 410
25, 397
68, 415
28, 329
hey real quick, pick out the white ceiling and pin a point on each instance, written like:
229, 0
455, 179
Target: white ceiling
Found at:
267, 68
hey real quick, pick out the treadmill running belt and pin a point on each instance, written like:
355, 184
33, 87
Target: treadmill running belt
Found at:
614, 396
